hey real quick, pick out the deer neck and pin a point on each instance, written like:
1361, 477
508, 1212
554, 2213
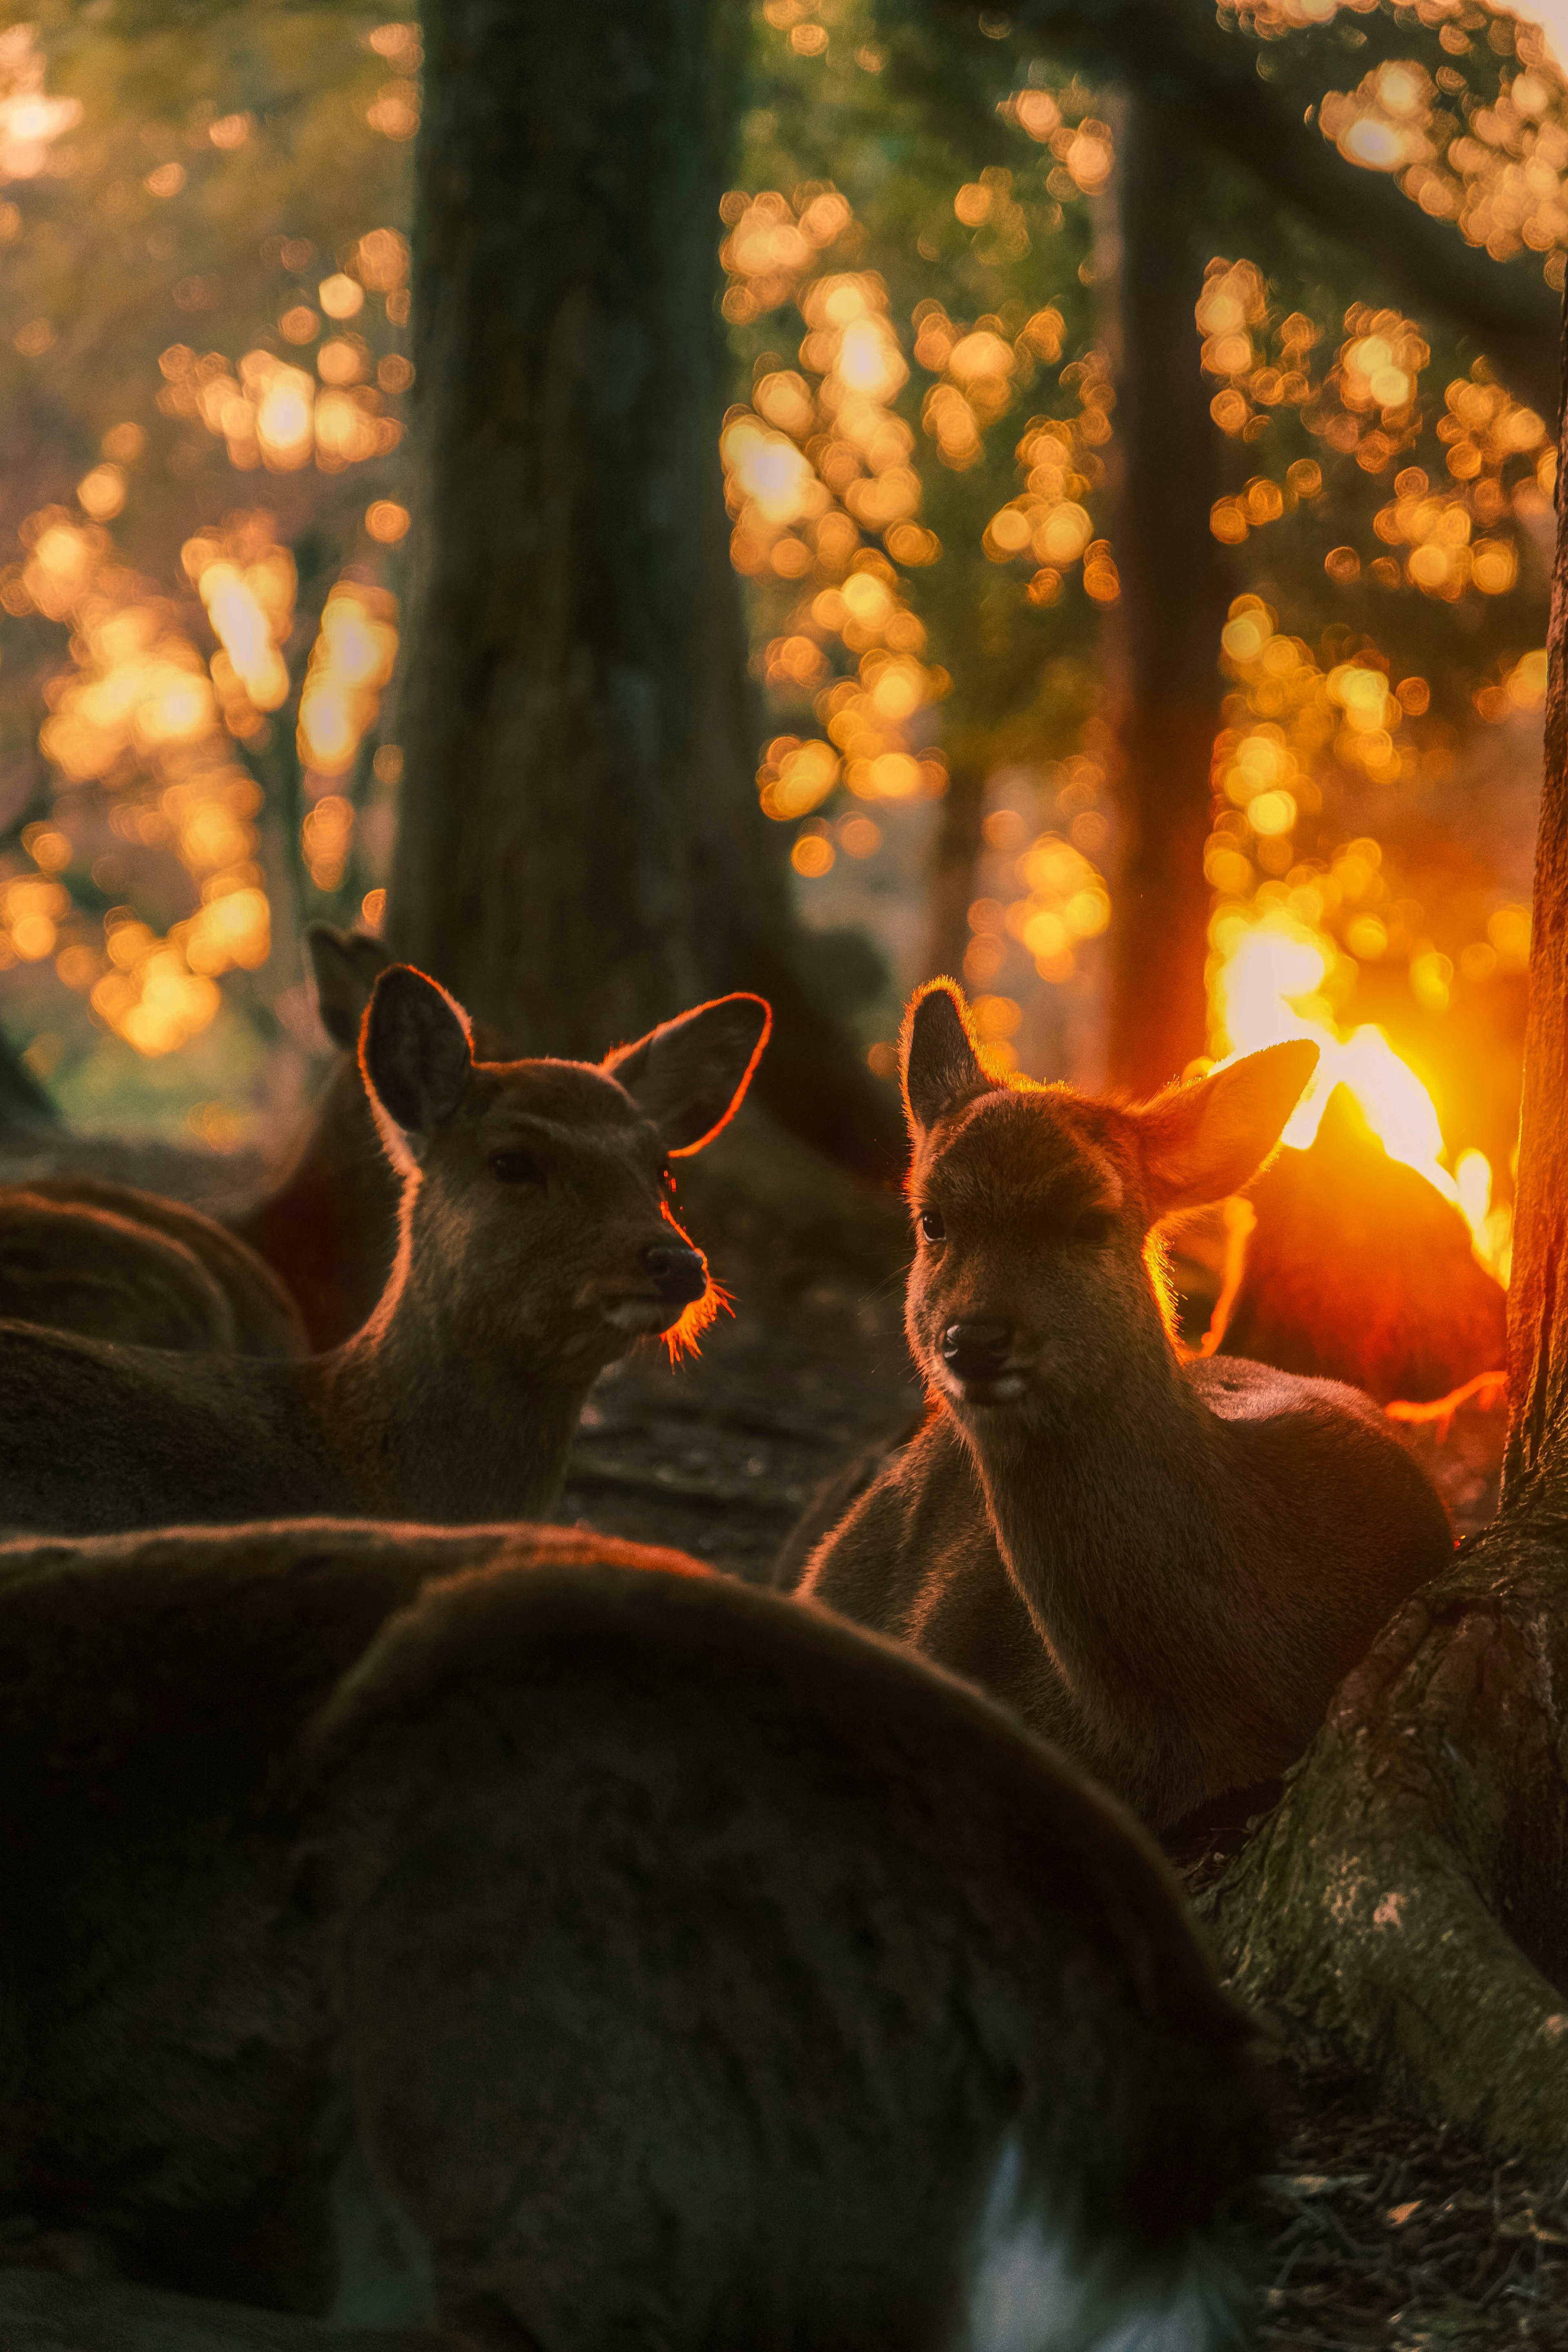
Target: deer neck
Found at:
1110, 1515
428, 1420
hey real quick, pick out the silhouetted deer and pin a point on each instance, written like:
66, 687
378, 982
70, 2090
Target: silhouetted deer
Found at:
536, 1245
587, 1951
1357, 1269
1166, 1568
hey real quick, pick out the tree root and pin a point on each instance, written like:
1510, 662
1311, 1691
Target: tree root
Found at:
1403, 1910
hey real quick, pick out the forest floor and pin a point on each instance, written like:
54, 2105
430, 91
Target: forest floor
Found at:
1378, 2236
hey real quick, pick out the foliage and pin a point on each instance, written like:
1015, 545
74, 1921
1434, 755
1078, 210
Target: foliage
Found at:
920, 263
1386, 500
201, 398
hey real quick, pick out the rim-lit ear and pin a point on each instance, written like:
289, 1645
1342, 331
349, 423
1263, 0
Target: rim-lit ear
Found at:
689, 1075
346, 966
1202, 1141
937, 1059
413, 1054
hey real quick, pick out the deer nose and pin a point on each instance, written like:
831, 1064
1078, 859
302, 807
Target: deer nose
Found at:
977, 1351
679, 1271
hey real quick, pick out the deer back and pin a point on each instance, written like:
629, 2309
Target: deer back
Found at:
163, 2038
643, 1954
83, 1254
732, 1894
1357, 1269
80, 1266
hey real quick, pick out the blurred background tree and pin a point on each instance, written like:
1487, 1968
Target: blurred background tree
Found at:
1323, 520
207, 296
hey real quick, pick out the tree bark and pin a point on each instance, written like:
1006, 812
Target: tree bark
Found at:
1406, 1906
953, 872
1166, 625
580, 852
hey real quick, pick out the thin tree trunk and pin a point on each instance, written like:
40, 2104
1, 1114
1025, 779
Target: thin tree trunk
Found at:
580, 852
953, 872
1168, 618
1406, 1907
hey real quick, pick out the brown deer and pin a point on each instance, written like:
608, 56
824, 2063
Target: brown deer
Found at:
1357, 1269
80, 1254
1165, 1567
537, 1934
300, 1268
536, 1245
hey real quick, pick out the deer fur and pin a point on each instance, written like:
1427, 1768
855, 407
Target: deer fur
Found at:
1166, 1567
1357, 1269
329, 1229
536, 1245
582, 1948
48, 2311
108, 1260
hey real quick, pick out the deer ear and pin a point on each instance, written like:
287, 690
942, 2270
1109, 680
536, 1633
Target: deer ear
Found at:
689, 1075
414, 1050
1201, 1142
346, 966
938, 1063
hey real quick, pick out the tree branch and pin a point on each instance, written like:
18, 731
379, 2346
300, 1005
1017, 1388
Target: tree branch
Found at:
1181, 57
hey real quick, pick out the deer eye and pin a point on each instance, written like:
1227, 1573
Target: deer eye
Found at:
516, 1168
1094, 1225
931, 1226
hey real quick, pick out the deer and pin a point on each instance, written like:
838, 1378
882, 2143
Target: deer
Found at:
536, 1245
1358, 1269
329, 1228
539, 1937
81, 1253
299, 1268
1165, 1567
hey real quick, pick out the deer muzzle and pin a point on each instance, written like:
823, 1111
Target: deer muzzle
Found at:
678, 1274
979, 1357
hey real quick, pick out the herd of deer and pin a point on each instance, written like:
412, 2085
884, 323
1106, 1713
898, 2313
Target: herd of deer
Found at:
425, 1921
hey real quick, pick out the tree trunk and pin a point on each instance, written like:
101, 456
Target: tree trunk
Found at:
580, 853
952, 876
1167, 621
1406, 1907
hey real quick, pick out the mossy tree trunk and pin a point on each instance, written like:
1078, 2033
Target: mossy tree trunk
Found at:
1406, 1907
1166, 625
580, 853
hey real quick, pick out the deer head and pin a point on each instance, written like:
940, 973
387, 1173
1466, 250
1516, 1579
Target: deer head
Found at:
536, 1211
1038, 1279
